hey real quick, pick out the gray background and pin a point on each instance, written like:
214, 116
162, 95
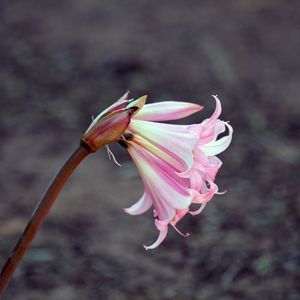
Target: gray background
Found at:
63, 61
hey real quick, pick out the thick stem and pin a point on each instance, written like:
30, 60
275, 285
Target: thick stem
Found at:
41, 211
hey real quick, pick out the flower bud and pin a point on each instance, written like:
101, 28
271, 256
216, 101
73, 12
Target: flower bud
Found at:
107, 129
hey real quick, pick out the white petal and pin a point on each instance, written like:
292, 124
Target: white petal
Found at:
218, 146
142, 205
161, 237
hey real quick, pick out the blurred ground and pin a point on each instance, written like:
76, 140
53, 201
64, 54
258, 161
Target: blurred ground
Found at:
64, 61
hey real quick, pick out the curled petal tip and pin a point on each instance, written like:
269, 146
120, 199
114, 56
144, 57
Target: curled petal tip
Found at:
163, 230
140, 206
221, 193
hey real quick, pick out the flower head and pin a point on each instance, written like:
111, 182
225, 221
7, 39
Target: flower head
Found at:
177, 163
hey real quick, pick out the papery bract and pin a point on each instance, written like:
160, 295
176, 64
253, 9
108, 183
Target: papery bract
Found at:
111, 123
107, 129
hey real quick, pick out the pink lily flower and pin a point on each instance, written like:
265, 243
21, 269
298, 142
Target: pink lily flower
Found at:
177, 163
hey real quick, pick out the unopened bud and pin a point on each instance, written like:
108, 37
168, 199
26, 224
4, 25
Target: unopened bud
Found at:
107, 129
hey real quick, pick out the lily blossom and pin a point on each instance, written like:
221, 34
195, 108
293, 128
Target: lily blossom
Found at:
177, 163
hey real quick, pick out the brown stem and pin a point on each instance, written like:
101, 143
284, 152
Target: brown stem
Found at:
41, 211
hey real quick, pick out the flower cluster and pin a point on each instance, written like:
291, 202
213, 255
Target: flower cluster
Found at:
177, 163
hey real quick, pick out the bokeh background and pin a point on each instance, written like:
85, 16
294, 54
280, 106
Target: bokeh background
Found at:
63, 61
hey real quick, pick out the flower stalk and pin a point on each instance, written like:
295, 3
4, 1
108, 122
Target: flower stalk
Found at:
40, 213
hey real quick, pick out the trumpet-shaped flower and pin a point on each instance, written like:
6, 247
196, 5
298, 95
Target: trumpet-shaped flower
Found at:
177, 163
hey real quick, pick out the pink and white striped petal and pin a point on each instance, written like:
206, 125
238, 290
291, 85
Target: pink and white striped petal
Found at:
177, 142
167, 110
166, 192
202, 199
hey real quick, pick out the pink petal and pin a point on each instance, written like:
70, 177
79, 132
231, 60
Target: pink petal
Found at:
209, 129
160, 182
207, 133
180, 213
199, 210
212, 168
163, 230
207, 165
175, 140
167, 110
216, 113
196, 179
218, 146
204, 198
140, 206
137, 139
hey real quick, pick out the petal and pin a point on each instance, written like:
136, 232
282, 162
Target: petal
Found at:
204, 198
208, 133
218, 146
163, 230
180, 213
216, 113
176, 140
167, 110
167, 194
208, 166
212, 168
199, 210
195, 179
157, 151
139, 103
209, 129
140, 206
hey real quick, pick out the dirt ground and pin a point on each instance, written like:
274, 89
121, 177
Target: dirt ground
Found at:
63, 61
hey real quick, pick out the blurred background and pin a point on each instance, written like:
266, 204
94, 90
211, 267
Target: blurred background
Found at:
63, 61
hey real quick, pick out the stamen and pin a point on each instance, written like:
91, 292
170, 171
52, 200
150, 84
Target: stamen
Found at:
183, 234
111, 156
128, 136
123, 143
